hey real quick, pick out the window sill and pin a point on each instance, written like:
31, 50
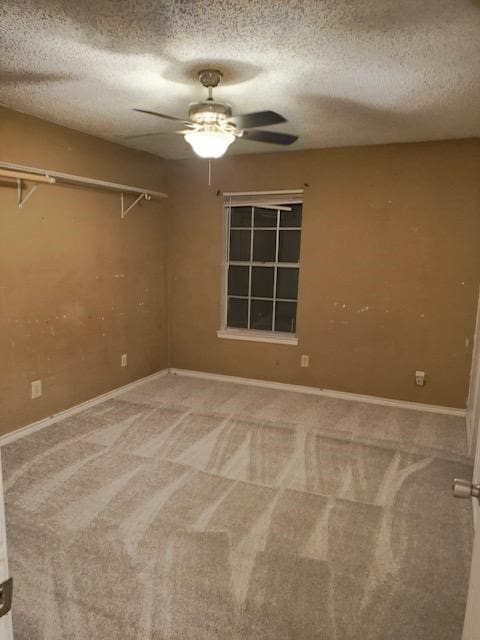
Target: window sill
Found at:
258, 336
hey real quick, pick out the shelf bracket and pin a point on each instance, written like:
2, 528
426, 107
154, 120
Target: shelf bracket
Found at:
22, 194
123, 211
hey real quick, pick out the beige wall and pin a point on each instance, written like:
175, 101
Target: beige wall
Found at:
393, 228
390, 267
78, 285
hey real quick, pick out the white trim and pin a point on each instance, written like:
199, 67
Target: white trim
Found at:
261, 205
250, 335
262, 193
247, 334
81, 180
473, 400
470, 429
475, 480
6, 630
226, 219
475, 510
61, 415
330, 393
401, 404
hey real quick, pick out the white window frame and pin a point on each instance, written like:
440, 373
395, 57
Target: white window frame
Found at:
276, 200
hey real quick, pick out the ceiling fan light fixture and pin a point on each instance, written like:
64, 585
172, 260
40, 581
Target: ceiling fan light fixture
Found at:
209, 143
211, 129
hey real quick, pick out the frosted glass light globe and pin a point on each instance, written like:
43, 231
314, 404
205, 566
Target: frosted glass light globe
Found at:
208, 143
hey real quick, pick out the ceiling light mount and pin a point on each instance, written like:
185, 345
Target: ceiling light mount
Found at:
210, 78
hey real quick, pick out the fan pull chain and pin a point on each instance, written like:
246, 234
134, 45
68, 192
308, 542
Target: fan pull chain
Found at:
209, 173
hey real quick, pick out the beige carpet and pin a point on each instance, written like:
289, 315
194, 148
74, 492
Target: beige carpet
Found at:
195, 510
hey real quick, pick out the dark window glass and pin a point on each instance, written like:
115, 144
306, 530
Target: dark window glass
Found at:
289, 246
241, 217
238, 281
237, 315
240, 245
285, 314
291, 218
264, 246
258, 294
262, 282
287, 283
261, 315
265, 217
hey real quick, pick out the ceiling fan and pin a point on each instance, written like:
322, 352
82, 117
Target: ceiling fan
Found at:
211, 128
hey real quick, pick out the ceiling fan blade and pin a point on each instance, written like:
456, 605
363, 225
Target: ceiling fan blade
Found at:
157, 133
147, 135
161, 115
273, 137
257, 119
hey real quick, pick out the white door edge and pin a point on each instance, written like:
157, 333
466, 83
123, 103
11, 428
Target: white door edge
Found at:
6, 629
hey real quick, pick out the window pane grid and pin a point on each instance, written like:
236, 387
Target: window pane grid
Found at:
250, 272
261, 311
265, 228
245, 263
275, 272
266, 299
227, 234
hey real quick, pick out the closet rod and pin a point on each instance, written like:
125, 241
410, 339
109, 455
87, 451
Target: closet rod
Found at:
68, 178
21, 175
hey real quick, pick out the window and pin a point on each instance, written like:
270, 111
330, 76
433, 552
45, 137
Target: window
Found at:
262, 266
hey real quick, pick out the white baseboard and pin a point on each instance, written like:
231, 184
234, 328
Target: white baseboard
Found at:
329, 393
61, 415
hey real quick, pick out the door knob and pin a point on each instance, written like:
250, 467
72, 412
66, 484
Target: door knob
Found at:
465, 489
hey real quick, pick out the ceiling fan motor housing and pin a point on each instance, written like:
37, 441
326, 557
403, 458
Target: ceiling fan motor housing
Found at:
209, 112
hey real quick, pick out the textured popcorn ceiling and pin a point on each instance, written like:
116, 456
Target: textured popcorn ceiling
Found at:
344, 72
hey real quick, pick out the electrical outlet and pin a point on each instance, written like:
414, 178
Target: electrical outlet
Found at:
124, 359
419, 378
305, 361
36, 389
